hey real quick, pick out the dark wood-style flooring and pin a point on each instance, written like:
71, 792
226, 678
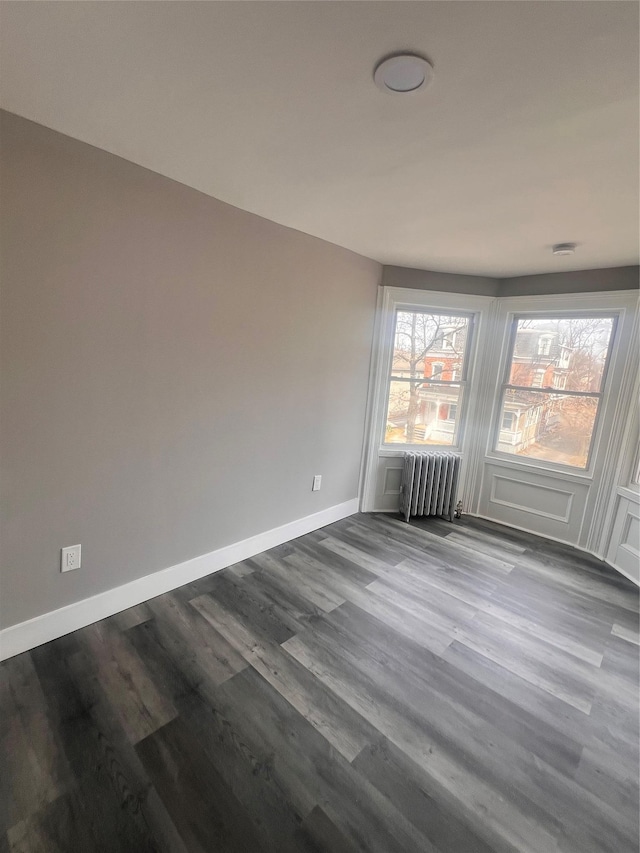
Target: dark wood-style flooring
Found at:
372, 686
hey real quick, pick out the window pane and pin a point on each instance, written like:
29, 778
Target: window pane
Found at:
567, 352
428, 363
428, 356
547, 426
419, 413
429, 346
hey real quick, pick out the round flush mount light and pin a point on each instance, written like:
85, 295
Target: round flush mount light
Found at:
403, 73
564, 249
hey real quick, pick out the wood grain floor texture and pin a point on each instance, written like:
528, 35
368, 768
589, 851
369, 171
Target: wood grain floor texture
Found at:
372, 686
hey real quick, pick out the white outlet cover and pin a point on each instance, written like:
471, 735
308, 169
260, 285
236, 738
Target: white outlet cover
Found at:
317, 482
71, 558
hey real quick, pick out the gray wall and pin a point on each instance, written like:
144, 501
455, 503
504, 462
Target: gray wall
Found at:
175, 370
582, 281
477, 285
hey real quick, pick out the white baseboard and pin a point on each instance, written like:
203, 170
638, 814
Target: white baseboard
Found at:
27, 635
561, 542
625, 574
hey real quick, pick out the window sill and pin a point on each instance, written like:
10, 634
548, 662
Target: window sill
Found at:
508, 460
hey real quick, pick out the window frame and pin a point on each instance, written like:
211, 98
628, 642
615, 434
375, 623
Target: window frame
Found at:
461, 384
514, 420
441, 365
539, 373
593, 491
505, 385
548, 342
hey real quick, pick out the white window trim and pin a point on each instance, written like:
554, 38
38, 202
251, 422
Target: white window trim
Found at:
614, 443
390, 300
571, 305
608, 438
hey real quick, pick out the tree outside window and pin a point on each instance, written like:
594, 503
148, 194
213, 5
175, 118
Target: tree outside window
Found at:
556, 372
426, 380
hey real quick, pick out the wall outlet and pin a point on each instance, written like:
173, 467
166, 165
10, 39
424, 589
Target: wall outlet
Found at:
317, 482
71, 558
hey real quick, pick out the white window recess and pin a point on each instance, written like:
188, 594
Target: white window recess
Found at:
547, 496
445, 388
576, 505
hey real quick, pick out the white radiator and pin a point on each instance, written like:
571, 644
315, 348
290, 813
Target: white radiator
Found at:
429, 484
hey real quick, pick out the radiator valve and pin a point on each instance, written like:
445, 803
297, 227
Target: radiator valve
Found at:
458, 513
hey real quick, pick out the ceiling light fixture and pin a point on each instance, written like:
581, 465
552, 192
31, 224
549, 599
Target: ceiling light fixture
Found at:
403, 73
564, 249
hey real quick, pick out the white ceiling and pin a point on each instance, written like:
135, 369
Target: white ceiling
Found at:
527, 137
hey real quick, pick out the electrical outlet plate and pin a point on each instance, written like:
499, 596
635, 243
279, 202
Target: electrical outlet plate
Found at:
71, 558
317, 482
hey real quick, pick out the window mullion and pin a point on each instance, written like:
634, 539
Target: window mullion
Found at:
562, 392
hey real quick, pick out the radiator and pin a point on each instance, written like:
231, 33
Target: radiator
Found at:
429, 484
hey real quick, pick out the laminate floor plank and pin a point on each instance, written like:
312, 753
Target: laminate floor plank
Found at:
311, 589
347, 731
35, 771
241, 569
356, 538
355, 555
306, 769
419, 542
610, 778
140, 705
499, 820
290, 609
431, 572
206, 813
132, 617
406, 616
192, 637
347, 569
314, 569
627, 634
429, 597
457, 692
556, 616
373, 686
545, 706
484, 542
326, 834
247, 603
545, 665
489, 612
170, 664
111, 796
228, 756
440, 818
569, 581
456, 728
